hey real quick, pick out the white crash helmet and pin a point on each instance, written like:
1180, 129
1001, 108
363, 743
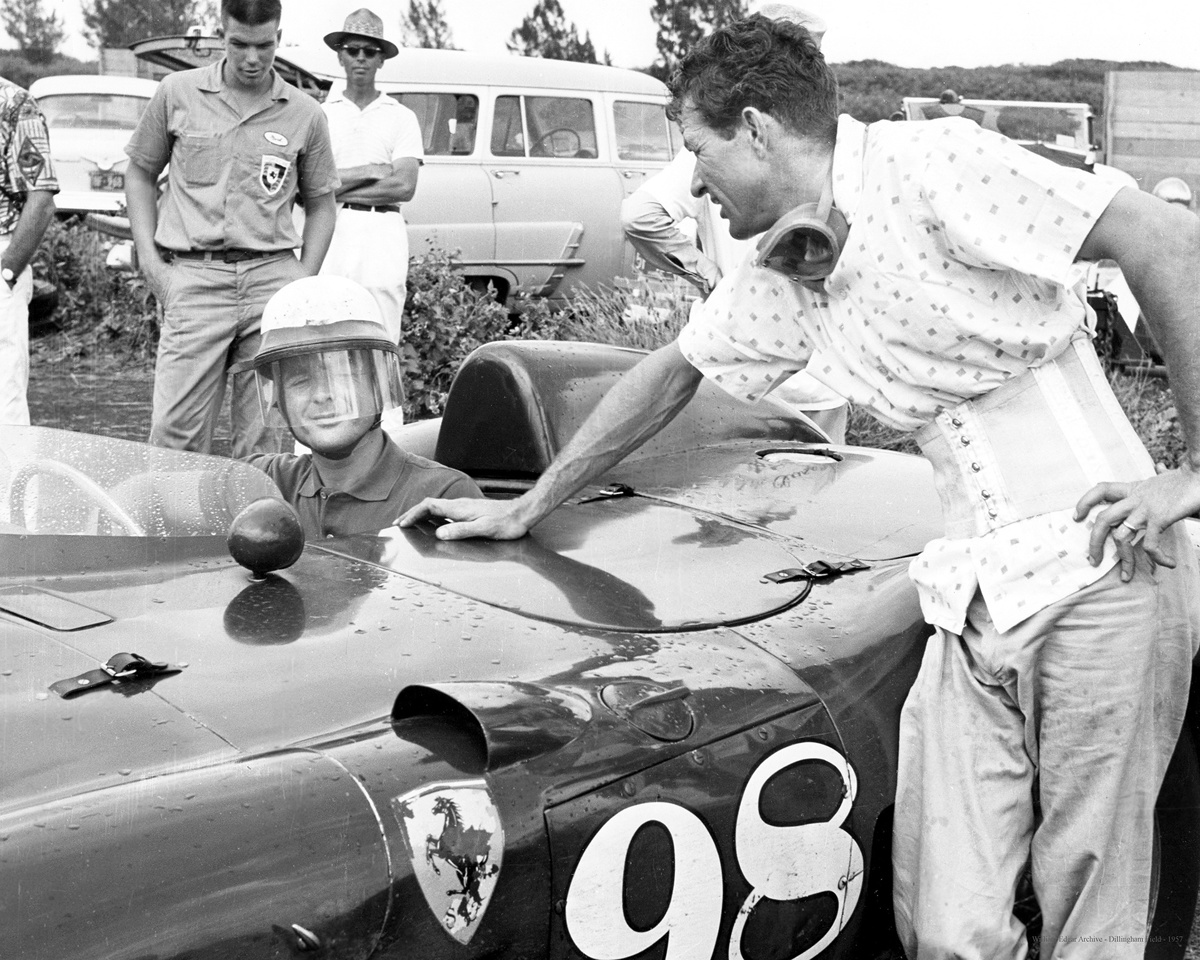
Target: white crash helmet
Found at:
328, 330
1174, 190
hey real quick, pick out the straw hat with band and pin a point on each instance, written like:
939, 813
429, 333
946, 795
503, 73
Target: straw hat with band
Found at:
362, 24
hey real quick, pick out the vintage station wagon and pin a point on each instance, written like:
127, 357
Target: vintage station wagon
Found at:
526, 160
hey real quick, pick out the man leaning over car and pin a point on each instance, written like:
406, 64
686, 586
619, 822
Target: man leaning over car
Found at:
27, 188
1064, 594
242, 145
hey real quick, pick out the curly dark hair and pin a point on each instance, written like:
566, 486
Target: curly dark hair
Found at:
774, 65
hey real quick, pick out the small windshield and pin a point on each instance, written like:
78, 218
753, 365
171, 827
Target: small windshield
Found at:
54, 482
1060, 124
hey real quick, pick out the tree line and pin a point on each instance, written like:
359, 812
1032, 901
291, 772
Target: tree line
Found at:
871, 89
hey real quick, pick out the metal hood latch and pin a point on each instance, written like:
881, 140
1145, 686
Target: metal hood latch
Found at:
122, 668
816, 570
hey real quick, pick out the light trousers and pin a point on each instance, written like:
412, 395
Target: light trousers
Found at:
211, 319
14, 346
1080, 707
371, 248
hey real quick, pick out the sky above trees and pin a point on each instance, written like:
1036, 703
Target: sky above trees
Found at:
926, 33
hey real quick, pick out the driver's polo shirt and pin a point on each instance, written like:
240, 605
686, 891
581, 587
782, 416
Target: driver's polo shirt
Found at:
396, 482
958, 275
232, 179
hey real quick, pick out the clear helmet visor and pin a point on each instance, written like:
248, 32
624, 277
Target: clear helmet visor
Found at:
332, 386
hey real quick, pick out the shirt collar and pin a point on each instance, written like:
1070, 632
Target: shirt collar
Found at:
848, 151
376, 484
212, 80
381, 99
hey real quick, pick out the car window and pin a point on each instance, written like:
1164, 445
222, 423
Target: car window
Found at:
643, 131
100, 110
561, 127
508, 135
448, 121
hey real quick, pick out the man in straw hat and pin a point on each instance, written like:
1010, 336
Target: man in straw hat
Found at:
378, 150
242, 146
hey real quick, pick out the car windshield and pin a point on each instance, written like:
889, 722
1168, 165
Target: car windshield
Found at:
54, 482
110, 111
1066, 125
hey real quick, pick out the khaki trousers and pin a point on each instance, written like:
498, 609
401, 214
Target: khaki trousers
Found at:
211, 321
14, 346
1079, 706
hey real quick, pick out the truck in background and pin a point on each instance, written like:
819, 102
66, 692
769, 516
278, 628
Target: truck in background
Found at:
1152, 125
1060, 131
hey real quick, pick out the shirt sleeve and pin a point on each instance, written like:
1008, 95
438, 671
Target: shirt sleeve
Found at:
29, 163
650, 217
150, 145
318, 169
461, 487
1001, 207
746, 337
409, 143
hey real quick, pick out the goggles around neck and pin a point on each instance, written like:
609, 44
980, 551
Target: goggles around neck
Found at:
805, 243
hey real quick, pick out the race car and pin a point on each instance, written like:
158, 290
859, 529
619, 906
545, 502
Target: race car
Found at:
662, 725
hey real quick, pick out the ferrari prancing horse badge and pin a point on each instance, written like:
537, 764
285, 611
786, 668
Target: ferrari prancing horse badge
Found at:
272, 173
455, 843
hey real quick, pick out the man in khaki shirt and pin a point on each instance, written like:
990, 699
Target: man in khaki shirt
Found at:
241, 147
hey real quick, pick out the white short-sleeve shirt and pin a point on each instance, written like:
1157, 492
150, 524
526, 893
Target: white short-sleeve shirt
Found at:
382, 132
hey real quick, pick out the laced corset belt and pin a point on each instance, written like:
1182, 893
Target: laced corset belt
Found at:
1032, 446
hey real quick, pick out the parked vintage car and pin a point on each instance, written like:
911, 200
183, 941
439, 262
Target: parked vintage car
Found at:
90, 119
663, 725
527, 160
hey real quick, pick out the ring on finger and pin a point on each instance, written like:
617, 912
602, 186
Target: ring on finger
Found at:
1128, 526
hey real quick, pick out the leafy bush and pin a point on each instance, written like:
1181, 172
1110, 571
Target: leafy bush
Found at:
642, 314
444, 320
104, 316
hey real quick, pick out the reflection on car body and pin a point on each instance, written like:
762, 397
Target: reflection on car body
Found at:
667, 717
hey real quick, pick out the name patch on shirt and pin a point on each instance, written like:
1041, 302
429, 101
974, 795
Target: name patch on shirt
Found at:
276, 138
272, 173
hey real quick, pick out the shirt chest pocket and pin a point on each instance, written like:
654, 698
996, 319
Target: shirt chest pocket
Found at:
200, 158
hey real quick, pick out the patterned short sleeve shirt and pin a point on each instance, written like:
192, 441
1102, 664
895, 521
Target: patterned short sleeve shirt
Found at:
957, 275
24, 152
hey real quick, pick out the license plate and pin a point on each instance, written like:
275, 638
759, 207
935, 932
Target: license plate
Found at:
103, 180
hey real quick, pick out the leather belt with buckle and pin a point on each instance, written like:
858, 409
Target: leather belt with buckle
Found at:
384, 208
230, 255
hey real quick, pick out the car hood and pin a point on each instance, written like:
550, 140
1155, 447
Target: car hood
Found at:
354, 622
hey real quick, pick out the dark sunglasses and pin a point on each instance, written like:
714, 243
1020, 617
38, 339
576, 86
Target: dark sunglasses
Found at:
354, 50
